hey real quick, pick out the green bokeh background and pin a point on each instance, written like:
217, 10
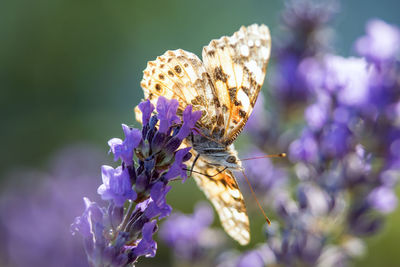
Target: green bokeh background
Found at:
70, 72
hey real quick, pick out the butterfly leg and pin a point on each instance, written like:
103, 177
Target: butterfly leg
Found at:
194, 162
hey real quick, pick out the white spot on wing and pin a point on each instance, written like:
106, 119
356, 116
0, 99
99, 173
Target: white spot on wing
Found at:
244, 50
250, 43
254, 68
242, 97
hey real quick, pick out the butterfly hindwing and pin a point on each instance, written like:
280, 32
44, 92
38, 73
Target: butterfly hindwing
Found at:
223, 192
237, 66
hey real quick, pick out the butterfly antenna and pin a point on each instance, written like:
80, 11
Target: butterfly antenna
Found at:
281, 155
254, 195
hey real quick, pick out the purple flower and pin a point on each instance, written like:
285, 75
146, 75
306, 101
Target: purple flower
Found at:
146, 107
316, 116
383, 199
167, 113
189, 235
116, 185
306, 16
189, 121
348, 77
158, 206
336, 140
125, 232
124, 149
382, 42
258, 118
287, 80
178, 168
147, 246
266, 179
92, 215
304, 149
37, 207
312, 72
251, 258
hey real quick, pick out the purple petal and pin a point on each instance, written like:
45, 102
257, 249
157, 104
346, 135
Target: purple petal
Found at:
167, 113
146, 107
124, 149
178, 168
158, 206
85, 223
116, 185
189, 121
147, 246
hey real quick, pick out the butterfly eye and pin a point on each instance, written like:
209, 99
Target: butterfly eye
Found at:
231, 159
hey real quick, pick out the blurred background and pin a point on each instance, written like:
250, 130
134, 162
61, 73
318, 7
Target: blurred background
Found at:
70, 74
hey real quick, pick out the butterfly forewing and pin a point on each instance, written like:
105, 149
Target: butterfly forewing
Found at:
237, 65
225, 88
181, 75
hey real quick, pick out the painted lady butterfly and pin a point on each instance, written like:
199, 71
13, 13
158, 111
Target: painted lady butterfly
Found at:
224, 87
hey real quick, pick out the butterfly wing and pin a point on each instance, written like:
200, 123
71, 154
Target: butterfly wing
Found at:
223, 192
237, 66
181, 75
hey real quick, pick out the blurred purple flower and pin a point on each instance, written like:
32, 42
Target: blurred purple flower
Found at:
266, 179
382, 42
189, 235
37, 207
258, 118
307, 35
116, 185
348, 77
316, 116
305, 149
306, 15
336, 140
251, 258
383, 199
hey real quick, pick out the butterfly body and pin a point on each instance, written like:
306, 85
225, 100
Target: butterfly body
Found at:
224, 87
215, 153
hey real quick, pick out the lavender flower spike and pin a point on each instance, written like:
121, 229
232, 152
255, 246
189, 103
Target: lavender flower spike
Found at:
136, 190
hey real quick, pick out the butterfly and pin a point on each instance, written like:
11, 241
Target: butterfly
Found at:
224, 86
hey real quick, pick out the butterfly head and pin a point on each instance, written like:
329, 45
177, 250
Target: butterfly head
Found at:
232, 162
